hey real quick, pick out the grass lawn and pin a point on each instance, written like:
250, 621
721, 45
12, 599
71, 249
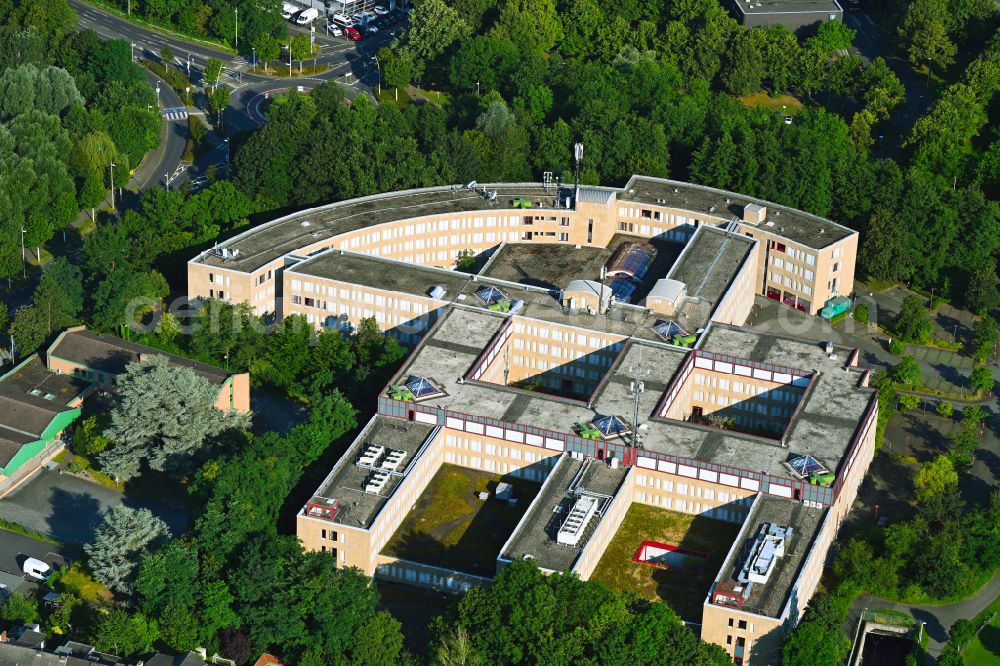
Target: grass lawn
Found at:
984, 649
791, 104
74, 579
451, 527
681, 590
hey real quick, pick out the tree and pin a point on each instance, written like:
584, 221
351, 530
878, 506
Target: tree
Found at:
961, 632
984, 337
119, 541
164, 414
465, 262
819, 639
528, 617
125, 295
934, 478
531, 25
88, 439
213, 70
50, 90
124, 634
167, 54
982, 380
59, 295
434, 26
236, 645
301, 47
267, 47
882, 246
378, 642
219, 100
907, 371
981, 294
945, 408
29, 329
912, 324
20, 609
908, 401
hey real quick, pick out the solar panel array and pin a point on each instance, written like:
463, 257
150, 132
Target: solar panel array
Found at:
636, 264
622, 289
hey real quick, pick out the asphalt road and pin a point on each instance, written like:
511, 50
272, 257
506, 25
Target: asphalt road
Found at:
350, 63
14, 549
68, 508
937, 619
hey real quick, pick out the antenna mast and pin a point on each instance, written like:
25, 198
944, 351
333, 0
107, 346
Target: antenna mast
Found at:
577, 158
636, 388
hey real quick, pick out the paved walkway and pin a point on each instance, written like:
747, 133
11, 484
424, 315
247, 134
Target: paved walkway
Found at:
937, 619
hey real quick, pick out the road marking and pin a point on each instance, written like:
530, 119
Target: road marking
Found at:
176, 113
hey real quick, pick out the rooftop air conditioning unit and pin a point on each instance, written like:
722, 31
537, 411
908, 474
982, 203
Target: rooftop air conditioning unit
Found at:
304, 223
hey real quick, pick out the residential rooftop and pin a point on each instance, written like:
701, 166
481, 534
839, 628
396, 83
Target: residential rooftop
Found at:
23, 419
535, 536
771, 597
111, 355
32, 377
346, 483
796, 225
827, 417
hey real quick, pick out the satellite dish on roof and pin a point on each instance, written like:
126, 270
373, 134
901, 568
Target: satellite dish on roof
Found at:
472, 185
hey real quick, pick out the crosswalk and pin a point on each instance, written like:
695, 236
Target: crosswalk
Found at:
176, 113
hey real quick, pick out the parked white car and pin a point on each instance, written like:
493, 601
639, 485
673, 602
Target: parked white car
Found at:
37, 569
335, 30
381, 10
307, 16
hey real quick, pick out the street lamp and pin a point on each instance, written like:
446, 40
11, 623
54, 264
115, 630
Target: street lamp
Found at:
132, 51
254, 49
236, 11
227, 152
112, 186
24, 264
166, 179
477, 88
379, 68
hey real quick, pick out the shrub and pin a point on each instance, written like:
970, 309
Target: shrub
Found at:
897, 347
861, 314
908, 402
945, 408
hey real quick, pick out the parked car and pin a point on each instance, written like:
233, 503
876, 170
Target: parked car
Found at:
288, 10
371, 29
334, 30
37, 569
307, 16
380, 10
352, 33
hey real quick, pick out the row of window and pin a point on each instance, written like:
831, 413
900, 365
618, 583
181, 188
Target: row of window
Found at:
413, 575
789, 283
794, 269
569, 336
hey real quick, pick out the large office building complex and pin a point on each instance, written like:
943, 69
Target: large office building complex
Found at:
597, 355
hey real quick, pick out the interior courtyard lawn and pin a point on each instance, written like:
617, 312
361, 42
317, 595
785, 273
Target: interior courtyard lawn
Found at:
684, 591
451, 527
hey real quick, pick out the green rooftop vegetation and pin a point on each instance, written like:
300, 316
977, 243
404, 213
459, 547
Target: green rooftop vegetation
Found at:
683, 591
451, 527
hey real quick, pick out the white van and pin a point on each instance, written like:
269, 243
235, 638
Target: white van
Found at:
37, 569
307, 16
288, 11
341, 20
364, 18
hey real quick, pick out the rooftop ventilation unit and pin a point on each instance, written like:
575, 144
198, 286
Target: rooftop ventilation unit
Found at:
767, 547
305, 223
437, 291
571, 531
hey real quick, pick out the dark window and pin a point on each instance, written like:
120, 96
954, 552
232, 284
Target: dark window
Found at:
564, 222
590, 231
730, 622
310, 302
729, 639
296, 300
742, 624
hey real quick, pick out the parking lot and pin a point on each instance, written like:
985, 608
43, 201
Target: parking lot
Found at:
68, 508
